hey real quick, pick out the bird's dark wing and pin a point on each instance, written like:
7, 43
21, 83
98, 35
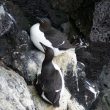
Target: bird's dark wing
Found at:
58, 39
53, 97
53, 82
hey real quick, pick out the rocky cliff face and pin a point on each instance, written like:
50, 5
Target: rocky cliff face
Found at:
73, 19
18, 53
79, 13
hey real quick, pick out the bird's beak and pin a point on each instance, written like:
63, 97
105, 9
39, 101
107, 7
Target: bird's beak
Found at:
44, 47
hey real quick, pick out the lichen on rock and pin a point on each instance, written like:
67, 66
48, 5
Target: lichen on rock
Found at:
66, 59
14, 94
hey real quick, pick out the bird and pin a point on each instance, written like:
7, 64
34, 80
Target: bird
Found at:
50, 83
44, 32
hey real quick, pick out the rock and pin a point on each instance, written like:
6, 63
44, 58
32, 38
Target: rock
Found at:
100, 31
6, 21
104, 100
22, 41
6, 40
59, 12
97, 54
16, 45
80, 12
81, 69
17, 51
105, 76
41, 8
67, 61
65, 5
14, 41
14, 94
28, 64
12, 38
6, 30
66, 27
105, 88
21, 22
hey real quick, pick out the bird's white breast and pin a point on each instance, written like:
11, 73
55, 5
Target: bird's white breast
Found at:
38, 36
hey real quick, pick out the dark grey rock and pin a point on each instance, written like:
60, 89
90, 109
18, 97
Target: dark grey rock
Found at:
11, 53
6, 21
97, 54
10, 28
81, 69
41, 8
7, 24
22, 41
66, 27
105, 88
14, 41
105, 77
100, 34
15, 11
65, 5
28, 64
88, 90
80, 13
100, 31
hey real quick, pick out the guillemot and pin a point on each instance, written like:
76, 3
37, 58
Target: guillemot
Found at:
50, 83
44, 32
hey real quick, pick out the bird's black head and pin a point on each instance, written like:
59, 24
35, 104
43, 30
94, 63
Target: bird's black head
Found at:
49, 53
45, 24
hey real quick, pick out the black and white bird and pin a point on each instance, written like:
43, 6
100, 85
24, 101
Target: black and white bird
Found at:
44, 32
50, 82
